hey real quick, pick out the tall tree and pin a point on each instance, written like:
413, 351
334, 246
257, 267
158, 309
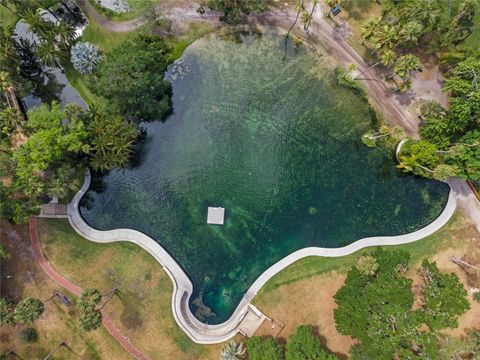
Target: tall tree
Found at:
131, 77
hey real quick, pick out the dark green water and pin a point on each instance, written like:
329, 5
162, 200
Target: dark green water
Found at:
277, 144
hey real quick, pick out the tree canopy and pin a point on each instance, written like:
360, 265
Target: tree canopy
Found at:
28, 310
263, 348
233, 9
303, 344
378, 310
131, 78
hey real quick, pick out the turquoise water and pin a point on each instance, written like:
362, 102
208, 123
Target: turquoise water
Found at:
277, 144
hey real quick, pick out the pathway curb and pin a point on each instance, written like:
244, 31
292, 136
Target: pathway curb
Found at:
183, 288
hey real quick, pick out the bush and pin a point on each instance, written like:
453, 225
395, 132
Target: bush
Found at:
85, 56
263, 348
28, 335
476, 296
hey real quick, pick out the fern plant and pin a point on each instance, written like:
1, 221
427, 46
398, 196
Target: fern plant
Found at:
85, 56
233, 351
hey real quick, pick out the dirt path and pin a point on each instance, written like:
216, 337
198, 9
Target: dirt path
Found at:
75, 289
323, 36
102, 21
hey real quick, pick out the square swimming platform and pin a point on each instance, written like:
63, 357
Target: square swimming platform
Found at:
215, 215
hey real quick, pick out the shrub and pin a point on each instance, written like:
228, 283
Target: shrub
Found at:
28, 335
476, 296
84, 57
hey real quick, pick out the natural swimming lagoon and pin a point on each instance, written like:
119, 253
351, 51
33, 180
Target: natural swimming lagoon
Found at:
276, 143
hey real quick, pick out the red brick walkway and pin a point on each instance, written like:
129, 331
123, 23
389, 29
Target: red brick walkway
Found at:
75, 289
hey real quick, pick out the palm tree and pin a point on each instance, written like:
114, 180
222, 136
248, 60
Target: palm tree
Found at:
351, 67
306, 18
91, 319
314, 5
48, 53
299, 8
369, 30
33, 18
406, 64
28, 310
89, 298
65, 35
410, 32
386, 58
386, 37
233, 351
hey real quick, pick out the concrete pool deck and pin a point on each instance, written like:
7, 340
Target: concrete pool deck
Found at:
246, 318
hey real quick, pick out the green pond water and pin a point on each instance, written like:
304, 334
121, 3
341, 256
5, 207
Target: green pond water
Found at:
277, 144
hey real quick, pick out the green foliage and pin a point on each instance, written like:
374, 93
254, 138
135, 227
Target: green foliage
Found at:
444, 297
28, 310
6, 313
457, 130
28, 335
4, 254
377, 310
463, 23
443, 171
52, 141
233, 350
131, 77
425, 152
10, 120
91, 319
111, 139
89, 299
304, 345
367, 265
233, 9
465, 156
263, 348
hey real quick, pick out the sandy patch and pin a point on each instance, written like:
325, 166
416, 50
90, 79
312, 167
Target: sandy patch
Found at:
313, 305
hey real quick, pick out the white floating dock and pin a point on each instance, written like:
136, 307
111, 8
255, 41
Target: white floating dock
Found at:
215, 215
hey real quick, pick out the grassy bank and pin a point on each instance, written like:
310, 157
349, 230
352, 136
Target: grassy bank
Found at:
142, 311
314, 266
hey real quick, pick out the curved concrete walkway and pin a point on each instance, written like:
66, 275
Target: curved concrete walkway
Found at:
183, 287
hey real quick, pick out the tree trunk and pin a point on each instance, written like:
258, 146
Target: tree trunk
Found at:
54, 350
364, 71
311, 15
110, 296
461, 262
291, 27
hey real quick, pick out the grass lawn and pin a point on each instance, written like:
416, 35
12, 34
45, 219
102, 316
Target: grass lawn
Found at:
142, 311
57, 323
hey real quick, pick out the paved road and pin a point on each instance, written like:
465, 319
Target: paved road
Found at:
75, 289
